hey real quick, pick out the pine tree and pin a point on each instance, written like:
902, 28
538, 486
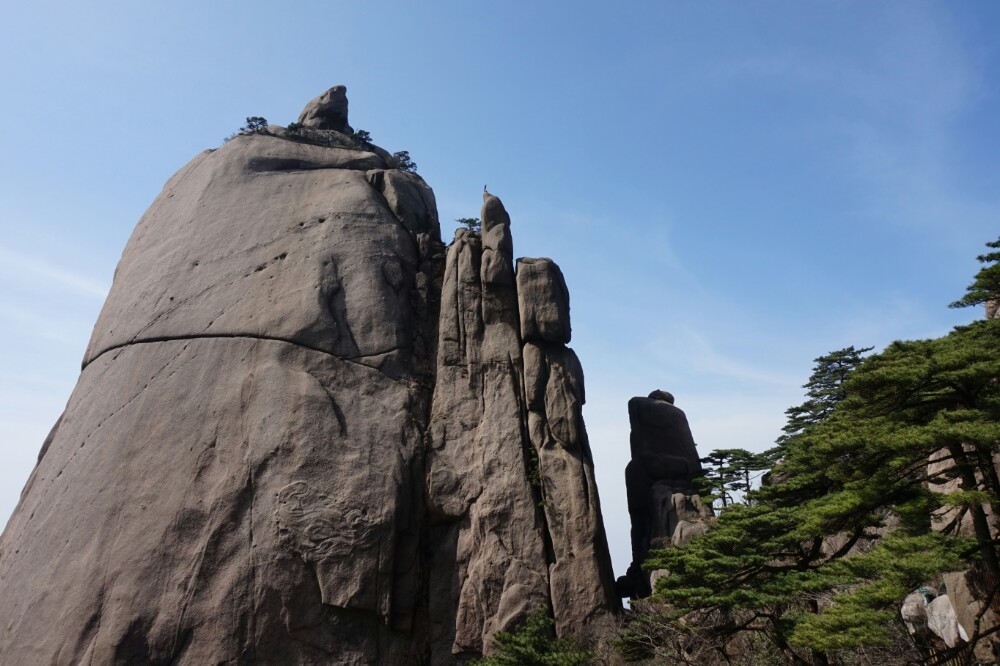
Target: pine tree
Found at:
985, 286
825, 390
534, 645
821, 558
730, 474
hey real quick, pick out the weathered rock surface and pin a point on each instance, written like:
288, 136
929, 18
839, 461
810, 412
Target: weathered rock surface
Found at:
192, 508
663, 503
327, 112
488, 563
543, 300
302, 437
581, 572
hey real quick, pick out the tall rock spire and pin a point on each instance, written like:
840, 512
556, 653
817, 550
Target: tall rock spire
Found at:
663, 501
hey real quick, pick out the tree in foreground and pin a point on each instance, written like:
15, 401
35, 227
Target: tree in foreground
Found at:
534, 644
820, 561
401, 160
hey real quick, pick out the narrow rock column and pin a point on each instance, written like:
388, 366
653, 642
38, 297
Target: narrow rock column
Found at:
580, 571
488, 563
662, 499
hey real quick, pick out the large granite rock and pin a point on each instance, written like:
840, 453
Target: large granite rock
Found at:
327, 112
301, 436
663, 503
580, 573
488, 567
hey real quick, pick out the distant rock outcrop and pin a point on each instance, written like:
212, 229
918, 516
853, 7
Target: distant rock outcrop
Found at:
662, 498
304, 436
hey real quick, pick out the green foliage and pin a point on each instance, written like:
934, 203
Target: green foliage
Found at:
986, 285
859, 615
811, 563
401, 160
730, 473
255, 125
294, 128
535, 473
825, 390
473, 224
361, 136
534, 644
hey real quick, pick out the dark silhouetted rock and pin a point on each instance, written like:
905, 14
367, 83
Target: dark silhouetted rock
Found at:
663, 503
301, 436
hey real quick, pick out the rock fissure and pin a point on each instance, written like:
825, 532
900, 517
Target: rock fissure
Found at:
243, 336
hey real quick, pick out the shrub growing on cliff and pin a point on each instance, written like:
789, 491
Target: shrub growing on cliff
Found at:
361, 136
401, 160
254, 125
473, 224
535, 644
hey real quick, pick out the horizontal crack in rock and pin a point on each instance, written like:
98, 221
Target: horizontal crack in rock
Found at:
245, 336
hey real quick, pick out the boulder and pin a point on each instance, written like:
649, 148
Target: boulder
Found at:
914, 613
581, 576
327, 112
941, 621
543, 301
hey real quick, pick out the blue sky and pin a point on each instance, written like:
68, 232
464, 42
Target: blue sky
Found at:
731, 188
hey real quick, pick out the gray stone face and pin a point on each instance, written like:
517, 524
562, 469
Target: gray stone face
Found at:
301, 435
327, 112
218, 527
543, 300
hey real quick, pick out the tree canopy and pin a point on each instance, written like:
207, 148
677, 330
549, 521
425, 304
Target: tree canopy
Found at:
985, 286
534, 644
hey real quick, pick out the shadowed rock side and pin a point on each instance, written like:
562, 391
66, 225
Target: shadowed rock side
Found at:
662, 499
250, 469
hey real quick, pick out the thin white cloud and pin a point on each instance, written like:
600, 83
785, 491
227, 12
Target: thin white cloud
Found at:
43, 326
897, 105
686, 350
25, 266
